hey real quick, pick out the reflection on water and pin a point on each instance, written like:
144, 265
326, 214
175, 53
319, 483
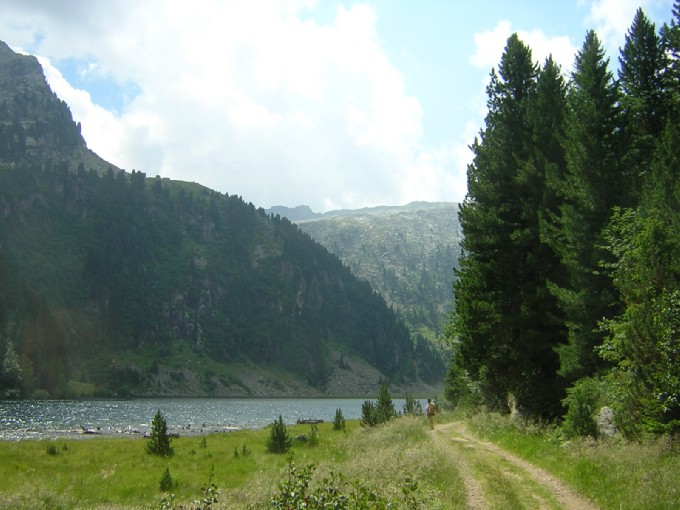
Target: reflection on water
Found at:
39, 419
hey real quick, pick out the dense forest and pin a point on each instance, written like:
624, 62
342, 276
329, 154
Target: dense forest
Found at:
568, 293
112, 283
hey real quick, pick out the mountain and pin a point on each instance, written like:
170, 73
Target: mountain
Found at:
407, 253
112, 283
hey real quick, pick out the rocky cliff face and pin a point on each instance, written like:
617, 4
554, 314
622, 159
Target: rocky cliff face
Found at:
406, 253
36, 125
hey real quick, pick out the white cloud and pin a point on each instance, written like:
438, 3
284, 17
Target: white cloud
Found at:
251, 98
489, 46
97, 123
612, 19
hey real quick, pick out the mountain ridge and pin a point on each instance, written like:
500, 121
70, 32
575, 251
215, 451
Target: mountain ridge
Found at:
112, 283
408, 253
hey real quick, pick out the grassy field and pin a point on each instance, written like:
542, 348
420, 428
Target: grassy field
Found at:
117, 473
613, 474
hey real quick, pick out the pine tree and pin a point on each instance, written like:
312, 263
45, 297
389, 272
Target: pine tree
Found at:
279, 440
385, 408
644, 100
592, 187
159, 442
505, 317
645, 338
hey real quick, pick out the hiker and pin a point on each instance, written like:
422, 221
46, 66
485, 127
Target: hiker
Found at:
430, 411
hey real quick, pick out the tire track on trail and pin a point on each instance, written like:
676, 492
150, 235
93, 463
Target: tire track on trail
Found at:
454, 436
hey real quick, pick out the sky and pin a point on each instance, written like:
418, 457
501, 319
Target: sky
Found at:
332, 104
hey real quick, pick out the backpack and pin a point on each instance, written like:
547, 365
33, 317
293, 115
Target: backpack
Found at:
431, 409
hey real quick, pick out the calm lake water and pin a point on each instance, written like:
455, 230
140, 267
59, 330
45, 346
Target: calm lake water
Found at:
43, 419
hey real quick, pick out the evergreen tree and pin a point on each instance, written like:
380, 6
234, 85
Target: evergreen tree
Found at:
339, 421
279, 440
159, 442
593, 185
369, 414
670, 40
505, 318
10, 376
385, 408
644, 98
645, 338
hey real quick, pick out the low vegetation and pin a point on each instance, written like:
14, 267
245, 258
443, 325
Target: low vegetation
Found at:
396, 463
614, 473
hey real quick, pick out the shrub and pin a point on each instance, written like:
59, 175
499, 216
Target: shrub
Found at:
582, 405
385, 408
165, 483
279, 441
313, 439
412, 406
159, 442
52, 449
339, 421
369, 414
335, 492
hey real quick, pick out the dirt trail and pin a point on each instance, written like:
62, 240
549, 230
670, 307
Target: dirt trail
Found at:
471, 451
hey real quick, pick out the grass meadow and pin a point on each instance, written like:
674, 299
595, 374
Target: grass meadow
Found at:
116, 473
614, 474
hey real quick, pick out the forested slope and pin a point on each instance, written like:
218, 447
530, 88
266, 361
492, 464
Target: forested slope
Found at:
114, 283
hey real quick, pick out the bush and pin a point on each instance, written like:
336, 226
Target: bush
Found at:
165, 483
52, 449
335, 492
159, 442
279, 441
412, 406
385, 408
339, 421
313, 439
369, 414
582, 404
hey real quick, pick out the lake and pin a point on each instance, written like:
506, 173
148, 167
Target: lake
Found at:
44, 419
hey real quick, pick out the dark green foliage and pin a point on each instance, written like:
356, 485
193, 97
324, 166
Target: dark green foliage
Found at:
165, 483
279, 440
385, 407
339, 420
159, 442
412, 406
593, 185
572, 225
52, 449
505, 316
582, 403
131, 265
381, 411
369, 414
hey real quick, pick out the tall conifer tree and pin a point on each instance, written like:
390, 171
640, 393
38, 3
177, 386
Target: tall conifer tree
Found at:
505, 332
593, 185
644, 100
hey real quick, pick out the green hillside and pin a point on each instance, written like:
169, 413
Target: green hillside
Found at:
114, 283
407, 253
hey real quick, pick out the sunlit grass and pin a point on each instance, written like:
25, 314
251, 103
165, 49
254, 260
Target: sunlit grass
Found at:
614, 474
118, 473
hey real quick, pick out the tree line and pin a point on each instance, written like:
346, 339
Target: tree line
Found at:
568, 292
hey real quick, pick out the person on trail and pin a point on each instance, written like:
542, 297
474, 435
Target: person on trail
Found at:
430, 411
